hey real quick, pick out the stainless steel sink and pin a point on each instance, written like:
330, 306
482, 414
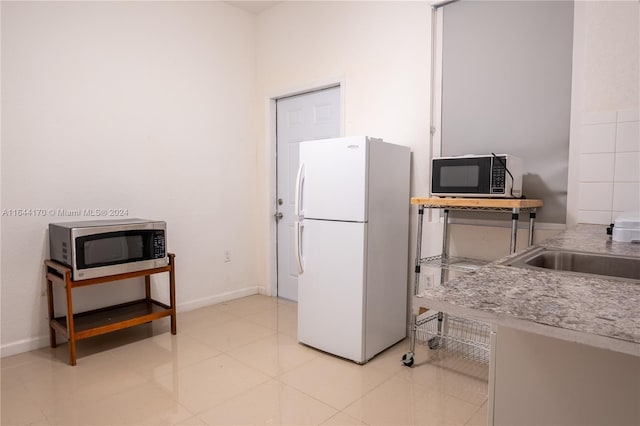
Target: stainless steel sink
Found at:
618, 267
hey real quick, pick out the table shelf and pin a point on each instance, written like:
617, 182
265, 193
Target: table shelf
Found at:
461, 337
112, 318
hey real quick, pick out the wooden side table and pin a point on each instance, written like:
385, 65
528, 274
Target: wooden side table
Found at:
111, 318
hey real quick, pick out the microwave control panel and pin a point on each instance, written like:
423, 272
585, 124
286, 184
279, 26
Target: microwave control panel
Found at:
159, 245
498, 175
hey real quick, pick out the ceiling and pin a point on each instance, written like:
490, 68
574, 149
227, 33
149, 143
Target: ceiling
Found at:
252, 6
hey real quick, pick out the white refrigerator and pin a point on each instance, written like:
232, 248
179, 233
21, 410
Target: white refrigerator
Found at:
351, 245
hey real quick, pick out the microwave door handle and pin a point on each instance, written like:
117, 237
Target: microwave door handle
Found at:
298, 230
299, 188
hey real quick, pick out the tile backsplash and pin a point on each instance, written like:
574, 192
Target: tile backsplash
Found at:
609, 173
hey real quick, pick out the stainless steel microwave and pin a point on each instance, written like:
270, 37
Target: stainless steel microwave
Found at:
107, 247
491, 175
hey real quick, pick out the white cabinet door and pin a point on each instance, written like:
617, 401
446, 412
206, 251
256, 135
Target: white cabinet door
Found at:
333, 179
331, 287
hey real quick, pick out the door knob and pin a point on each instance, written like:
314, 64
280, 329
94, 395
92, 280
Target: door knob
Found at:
278, 215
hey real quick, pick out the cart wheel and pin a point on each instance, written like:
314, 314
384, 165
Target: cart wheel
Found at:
407, 360
433, 343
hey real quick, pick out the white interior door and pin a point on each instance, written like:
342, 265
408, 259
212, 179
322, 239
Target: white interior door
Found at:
313, 115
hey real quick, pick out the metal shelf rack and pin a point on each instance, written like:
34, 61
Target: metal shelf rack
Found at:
460, 336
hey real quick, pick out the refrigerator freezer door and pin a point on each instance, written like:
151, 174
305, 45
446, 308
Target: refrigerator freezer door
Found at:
333, 179
331, 288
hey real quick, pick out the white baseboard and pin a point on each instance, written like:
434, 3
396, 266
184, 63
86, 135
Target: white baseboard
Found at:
264, 291
26, 345
218, 298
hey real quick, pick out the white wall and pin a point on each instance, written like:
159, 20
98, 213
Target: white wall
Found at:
606, 136
609, 166
380, 51
611, 50
145, 106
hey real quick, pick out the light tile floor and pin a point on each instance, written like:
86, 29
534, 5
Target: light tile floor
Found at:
235, 363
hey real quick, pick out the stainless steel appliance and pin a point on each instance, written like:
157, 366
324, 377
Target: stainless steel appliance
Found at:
107, 247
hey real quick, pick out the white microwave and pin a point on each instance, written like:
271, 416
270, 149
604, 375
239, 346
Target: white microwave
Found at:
491, 176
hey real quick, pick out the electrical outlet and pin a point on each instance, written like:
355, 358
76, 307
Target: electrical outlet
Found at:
227, 255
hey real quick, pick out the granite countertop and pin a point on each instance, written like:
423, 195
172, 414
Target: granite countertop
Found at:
597, 311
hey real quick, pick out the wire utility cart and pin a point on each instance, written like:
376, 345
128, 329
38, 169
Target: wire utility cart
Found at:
463, 337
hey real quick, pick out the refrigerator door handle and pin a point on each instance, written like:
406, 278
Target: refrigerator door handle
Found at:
298, 237
299, 187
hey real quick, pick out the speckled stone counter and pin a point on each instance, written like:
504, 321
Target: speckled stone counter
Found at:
591, 310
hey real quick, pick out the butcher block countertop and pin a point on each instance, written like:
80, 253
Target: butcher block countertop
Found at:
488, 203
592, 310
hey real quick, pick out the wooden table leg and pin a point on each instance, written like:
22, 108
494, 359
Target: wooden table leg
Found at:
52, 331
172, 292
147, 286
70, 321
